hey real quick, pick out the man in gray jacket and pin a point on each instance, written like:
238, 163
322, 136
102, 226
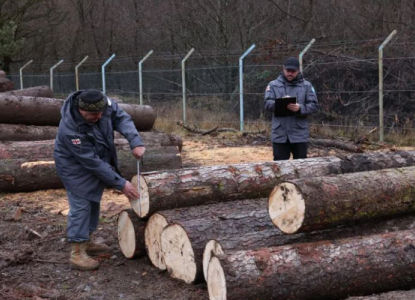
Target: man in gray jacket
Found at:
86, 161
290, 134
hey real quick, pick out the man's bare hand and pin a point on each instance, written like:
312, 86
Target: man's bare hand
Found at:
130, 191
293, 107
138, 152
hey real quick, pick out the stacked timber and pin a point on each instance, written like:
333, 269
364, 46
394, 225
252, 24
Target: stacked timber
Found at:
29, 165
325, 222
46, 111
37, 91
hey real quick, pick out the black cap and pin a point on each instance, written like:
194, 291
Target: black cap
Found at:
92, 100
292, 63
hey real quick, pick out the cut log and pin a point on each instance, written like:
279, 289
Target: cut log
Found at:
32, 150
21, 175
198, 186
336, 144
155, 226
38, 91
25, 110
320, 270
234, 225
12, 132
321, 202
131, 234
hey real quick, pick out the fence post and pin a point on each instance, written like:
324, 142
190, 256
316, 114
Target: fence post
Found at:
104, 90
241, 86
51, 73
381, 127
300, 57
140, 75
184, 83
76, 72
21, 73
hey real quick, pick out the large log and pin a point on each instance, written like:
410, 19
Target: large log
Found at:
21, 175
320, 270
198, 186
336, 144
37, 91
183, 246
33, 150
131, 234
46, 111
12, 132
314, 203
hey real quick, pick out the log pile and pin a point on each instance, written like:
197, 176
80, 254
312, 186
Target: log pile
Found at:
320, 228
29, 166
38, 91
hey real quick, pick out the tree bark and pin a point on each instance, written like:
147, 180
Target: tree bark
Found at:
198, 186
38, 91
131, 234
315, 203
12, 132
6, 85
21, 175
32, 150
46, 111
321, 270
336, 144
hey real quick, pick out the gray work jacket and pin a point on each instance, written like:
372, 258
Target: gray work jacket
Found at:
85, 154
293, 128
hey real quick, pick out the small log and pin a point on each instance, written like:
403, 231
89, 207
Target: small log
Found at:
212, 184
25, 110
38, 91
131, 234
12, 132
337, 144
321, 270
6, 85
320, 202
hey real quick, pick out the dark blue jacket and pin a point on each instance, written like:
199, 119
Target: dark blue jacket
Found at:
294, 128
85, 154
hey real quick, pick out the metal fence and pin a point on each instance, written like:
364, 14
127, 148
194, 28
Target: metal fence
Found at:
350, 85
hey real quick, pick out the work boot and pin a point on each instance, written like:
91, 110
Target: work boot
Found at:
94, 249
79, 258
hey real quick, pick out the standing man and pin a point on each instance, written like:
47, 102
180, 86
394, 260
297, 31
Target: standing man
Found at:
86, 161
290, 134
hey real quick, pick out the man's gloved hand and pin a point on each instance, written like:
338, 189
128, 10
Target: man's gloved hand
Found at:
138, 152
130, 191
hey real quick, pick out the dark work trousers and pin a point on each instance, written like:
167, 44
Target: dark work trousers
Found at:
282, 151
83, 218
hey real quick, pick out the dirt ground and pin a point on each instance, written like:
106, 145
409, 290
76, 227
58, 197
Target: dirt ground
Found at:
33, 267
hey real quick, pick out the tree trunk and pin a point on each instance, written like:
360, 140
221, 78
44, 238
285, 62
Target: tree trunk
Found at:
46, 111
235, 225
131, 234
198, 186
38, 91
33, 150
21, 175
321, 270
321, 202
11, 132
336, 144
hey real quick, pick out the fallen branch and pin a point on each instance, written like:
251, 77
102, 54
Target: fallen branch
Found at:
205, 132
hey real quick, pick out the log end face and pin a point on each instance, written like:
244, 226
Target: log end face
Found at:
216, 281
126, 235
286, 207
141, 207
178, 253
212, 248
152, 235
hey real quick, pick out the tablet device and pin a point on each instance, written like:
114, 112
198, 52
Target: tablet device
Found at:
281, 109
